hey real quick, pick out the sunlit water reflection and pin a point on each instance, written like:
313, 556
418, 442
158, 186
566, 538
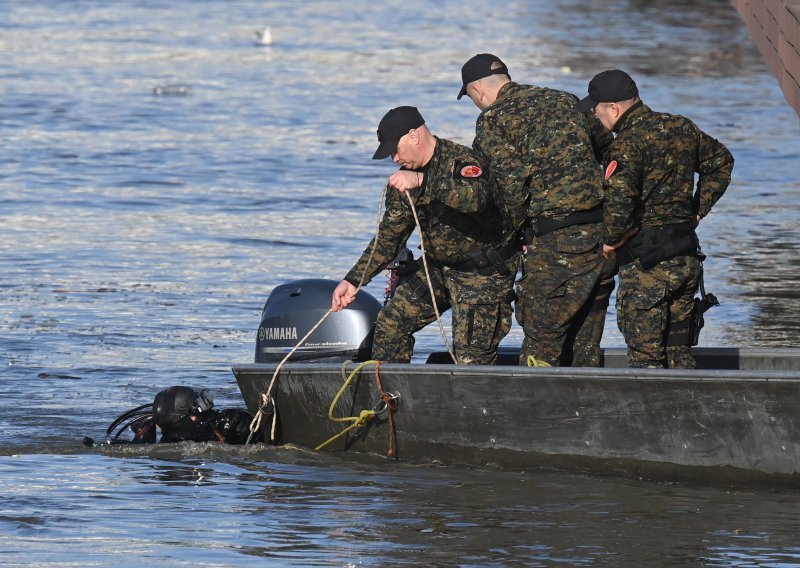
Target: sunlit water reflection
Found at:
141, 235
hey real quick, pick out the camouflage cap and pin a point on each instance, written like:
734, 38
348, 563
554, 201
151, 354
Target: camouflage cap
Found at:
479, 67
611, 86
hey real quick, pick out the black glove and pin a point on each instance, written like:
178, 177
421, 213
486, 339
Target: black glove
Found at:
234, 426
144, 430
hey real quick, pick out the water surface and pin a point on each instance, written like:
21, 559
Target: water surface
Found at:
141, 234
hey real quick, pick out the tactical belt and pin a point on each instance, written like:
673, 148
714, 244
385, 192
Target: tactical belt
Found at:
490, 260
541, 226
651, 245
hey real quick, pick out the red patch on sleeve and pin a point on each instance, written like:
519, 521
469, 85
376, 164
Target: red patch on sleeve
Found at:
611, 168
471, 171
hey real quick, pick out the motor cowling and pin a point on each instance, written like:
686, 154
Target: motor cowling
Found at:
293, 308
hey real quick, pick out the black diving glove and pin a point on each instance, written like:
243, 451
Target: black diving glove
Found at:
233, 426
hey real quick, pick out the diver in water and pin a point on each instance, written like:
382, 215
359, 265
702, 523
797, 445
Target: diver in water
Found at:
182, 414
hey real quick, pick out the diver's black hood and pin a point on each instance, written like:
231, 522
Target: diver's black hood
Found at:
175, 405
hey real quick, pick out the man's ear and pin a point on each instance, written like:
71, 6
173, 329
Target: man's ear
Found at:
479, 90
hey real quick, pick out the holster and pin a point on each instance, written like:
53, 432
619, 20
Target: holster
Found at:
417, 282
701, 306
687, 332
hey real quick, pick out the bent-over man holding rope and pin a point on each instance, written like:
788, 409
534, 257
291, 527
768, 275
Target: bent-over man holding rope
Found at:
470, 255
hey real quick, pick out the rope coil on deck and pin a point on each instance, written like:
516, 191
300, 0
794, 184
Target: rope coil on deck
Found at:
534, 362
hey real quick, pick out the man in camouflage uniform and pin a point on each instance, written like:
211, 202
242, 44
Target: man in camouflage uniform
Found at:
544, 156
649, 190
471, 256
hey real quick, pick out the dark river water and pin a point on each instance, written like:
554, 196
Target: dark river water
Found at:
143, 225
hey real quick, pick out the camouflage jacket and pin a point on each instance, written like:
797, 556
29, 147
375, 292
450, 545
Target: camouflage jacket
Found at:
544, 154
456, 208
650, 171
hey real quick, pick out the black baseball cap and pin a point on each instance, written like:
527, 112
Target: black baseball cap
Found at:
610, 86
393, 126
479, 67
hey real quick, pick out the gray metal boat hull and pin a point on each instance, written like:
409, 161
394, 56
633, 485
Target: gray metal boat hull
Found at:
738, 423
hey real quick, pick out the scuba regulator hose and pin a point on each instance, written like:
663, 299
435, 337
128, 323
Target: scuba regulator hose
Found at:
143, 414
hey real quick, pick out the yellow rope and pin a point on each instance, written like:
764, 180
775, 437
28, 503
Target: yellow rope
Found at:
356, 421
534, 362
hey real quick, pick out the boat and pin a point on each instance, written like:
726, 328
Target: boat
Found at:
734, 420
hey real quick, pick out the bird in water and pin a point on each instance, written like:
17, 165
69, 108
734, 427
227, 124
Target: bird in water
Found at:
264, 36
177, 90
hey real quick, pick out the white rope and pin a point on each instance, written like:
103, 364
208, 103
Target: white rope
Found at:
428, 277
266, 398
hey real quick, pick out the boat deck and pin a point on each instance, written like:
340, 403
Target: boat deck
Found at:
772, 359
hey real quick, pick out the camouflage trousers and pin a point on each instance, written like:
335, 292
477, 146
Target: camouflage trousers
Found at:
562, 278
649, 303
592, 320
481, 314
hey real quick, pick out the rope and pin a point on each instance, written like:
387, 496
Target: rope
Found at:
365, 415
356, 421
534, 362
428, 277
388, 399
266, 398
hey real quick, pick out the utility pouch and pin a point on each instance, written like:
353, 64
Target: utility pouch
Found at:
417, 282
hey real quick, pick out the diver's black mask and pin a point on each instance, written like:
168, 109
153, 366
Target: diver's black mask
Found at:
203, 401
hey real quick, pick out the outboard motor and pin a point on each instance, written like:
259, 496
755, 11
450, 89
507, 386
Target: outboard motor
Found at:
292, 309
